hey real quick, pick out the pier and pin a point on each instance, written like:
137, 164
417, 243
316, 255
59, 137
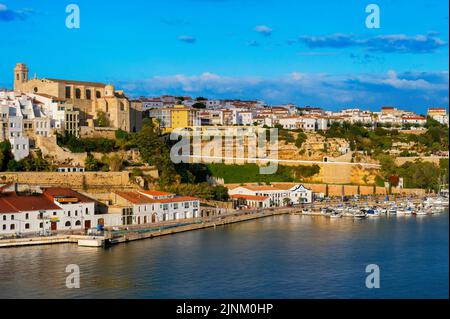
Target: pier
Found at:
123, 235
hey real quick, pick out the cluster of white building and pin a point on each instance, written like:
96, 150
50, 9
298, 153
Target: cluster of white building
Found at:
41, 210
265, 196
290, 116
24, 117
36, 210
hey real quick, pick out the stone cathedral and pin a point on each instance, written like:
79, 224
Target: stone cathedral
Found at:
89, 98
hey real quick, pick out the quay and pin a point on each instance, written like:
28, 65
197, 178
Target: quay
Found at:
123, 235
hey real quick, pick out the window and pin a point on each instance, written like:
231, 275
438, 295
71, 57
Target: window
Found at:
27, 226
68, 213
12, 217
67, 224
27, 216
4, 227
4, 217
88, 94
186, 205
98, 94
175, 206
122, 106
77, 93
35, 90
68, 92
77, 223
87, 211
41, 225
12, 226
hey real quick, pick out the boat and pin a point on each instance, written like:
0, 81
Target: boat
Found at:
335, 215
372, 213
392, 211
360, 214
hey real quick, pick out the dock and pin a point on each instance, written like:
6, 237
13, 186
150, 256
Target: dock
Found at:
124, 235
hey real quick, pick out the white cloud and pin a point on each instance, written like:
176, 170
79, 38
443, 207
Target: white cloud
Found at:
264, 30
328, 90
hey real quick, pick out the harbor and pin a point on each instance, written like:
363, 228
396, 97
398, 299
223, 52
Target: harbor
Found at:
285, 254
333, 209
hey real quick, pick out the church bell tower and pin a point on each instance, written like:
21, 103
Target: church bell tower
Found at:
20, 75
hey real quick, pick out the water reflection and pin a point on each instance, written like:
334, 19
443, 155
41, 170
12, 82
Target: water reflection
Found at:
287, 256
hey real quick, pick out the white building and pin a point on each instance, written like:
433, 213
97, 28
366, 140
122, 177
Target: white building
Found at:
277, 194
142, 207
42, 210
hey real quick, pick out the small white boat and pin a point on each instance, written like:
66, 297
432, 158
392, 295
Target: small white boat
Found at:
335, 215
360, 214
392, 211
372, 213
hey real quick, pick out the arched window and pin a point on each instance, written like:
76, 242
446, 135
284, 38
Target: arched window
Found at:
77, 223
67, 224
122, 106
88, 94
35, 90
87, 211
41, 225
98, 94
27, 226
77, 93
12, 226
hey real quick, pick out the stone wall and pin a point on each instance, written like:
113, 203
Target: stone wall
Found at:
80, 181
349, 190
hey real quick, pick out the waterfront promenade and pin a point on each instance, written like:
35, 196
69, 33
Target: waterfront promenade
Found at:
125, 234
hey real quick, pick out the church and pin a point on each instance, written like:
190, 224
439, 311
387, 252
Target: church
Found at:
91, 99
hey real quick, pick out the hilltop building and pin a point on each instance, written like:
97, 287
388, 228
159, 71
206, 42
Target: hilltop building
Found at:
89, 98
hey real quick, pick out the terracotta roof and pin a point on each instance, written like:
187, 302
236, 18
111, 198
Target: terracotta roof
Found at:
249, 197
13, 203
176, 199
135, 197
85, 83
156, 193
55, 192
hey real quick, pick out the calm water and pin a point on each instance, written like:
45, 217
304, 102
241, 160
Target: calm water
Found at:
276, 257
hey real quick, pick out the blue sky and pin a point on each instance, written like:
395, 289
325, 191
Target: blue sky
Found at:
306, 52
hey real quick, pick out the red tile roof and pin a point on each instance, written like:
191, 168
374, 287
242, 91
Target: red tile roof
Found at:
54, 192
249, 197
136, 198
176, 199
156, 193
13, 203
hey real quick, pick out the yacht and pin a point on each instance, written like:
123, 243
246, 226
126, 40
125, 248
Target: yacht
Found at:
372, 213
360, 214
